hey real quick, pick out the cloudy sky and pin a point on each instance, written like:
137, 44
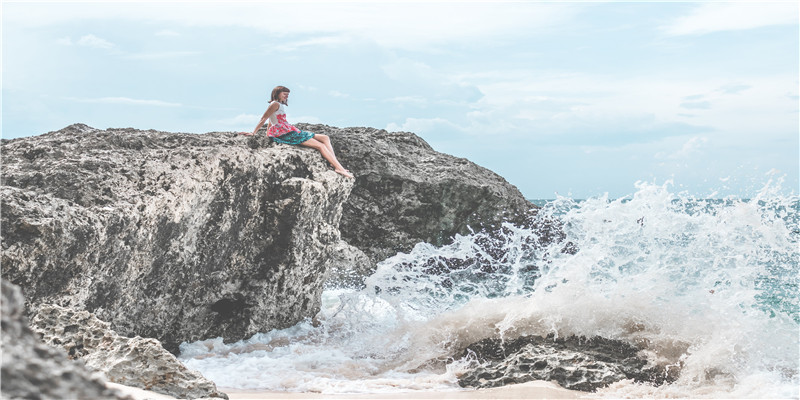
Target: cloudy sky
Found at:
578, 99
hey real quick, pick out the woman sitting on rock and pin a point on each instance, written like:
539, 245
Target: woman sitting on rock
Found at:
282, 132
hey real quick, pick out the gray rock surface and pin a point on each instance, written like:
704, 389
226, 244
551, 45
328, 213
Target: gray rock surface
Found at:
576, 363
33, 370
178, 237
137, 361
406, 193
347, 266
182, 237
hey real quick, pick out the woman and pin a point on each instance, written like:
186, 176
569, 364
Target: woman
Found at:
282, 132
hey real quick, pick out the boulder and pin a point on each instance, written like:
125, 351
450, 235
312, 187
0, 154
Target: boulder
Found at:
34, 370
576, 363
406, 193
178, 237
138, 362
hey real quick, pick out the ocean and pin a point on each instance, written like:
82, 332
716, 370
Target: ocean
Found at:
708, 287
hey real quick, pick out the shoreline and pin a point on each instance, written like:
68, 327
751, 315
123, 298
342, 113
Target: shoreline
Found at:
528, 390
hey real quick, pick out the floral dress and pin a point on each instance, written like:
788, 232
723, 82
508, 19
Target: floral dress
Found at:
282, 131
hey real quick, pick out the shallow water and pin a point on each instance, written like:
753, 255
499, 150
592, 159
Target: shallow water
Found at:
709, 287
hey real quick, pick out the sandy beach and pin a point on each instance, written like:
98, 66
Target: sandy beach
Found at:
529, 390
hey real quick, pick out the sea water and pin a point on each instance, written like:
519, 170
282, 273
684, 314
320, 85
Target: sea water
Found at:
705, 287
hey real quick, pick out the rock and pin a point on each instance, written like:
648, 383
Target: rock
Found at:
136, 362
406, 193
33, 370
178, 237
347, 267
183, 237
576, 363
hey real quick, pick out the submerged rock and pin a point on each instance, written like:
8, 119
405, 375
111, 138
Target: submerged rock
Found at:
178, 237
406, 193
576, 363
137, 361
34, 370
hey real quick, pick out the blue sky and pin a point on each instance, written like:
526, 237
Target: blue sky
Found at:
574, 98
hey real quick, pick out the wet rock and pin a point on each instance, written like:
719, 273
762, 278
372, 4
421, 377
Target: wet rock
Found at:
178, 237
34, 370
405, 192
346, 267
576, 363
137, 361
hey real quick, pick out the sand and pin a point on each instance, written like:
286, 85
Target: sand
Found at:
530, 390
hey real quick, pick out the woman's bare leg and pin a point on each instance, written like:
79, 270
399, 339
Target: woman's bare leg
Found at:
326, 140
327, 155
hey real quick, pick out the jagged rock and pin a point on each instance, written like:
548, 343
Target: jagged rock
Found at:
406, 193
33, 370
576, 363
137, 361
178, 237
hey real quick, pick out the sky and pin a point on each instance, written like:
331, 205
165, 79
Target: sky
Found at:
578, 99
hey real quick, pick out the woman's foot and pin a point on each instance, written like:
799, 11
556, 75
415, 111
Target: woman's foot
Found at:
344, 172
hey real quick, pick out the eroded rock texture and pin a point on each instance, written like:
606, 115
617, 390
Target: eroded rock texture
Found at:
182, 237
574, 362
406, 193
138, 362
178, 237
33, 370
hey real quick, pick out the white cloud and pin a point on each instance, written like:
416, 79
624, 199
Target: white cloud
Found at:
94, 41
566, 106
715, 17
124, 100
690, 147
411, 25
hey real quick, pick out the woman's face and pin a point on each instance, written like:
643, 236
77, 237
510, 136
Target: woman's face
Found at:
283, 96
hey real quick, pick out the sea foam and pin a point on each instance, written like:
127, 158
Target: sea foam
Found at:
705, 287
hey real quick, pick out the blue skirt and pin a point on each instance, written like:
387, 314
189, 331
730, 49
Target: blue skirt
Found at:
293, 137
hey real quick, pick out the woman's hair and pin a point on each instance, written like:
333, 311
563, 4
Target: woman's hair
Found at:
277, 91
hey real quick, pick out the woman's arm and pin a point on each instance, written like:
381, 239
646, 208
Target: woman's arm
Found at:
270, 110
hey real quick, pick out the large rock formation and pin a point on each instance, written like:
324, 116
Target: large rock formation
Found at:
178, 237
33, 370
406, 192
182, 237
138, 362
